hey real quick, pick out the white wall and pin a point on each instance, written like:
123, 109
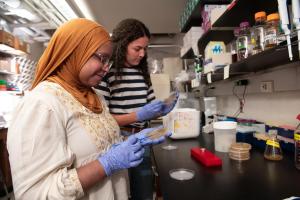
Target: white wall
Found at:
278, 108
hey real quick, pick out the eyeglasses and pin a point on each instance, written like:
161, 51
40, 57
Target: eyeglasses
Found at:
105, 60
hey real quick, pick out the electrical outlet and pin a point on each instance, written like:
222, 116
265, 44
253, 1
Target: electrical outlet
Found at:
267, 86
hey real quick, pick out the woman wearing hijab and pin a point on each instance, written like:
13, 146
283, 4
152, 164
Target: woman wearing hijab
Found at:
128, 92
62, 141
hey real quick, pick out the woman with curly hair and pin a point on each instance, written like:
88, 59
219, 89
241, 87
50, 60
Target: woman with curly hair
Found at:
128, 92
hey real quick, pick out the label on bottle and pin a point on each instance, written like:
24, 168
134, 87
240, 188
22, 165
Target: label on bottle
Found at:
297, 136
273, 143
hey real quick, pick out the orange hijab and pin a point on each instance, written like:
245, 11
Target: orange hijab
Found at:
68, 50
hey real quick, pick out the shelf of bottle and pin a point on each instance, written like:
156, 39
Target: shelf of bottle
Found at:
265, 60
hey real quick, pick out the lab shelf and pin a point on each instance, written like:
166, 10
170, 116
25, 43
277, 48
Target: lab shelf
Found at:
265, 60
244, 10
195, 18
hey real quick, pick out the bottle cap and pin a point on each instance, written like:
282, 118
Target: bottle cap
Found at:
273, 16
244, 24
261, 14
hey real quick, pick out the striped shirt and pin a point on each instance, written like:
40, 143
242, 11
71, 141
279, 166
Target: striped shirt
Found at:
131, 92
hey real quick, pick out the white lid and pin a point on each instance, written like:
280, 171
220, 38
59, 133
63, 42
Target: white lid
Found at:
225, 125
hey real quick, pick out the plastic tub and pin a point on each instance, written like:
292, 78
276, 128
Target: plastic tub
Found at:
224, 135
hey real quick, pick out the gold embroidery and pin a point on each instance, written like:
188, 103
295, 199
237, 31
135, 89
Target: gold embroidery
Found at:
102, 128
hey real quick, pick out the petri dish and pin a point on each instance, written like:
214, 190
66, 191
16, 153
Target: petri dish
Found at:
169, 147
182, 174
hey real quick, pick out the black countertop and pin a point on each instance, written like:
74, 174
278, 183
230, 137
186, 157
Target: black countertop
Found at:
256, 178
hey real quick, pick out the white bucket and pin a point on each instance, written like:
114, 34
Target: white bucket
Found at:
224, 134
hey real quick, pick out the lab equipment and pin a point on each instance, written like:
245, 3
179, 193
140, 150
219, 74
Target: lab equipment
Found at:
224, 135
152, 136
239, 151
257, 36
122, 155
244, 49
272, 30
273, 150
182, 174
296, 19
183, 123
284, 17
205, 157
169, 147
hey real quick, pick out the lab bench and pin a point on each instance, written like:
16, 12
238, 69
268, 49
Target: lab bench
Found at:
256, 178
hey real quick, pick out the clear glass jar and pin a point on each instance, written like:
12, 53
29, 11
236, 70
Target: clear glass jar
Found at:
258, 32
272, 30
243, 41
273, 150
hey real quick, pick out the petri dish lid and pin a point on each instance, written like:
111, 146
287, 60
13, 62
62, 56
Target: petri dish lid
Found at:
182, 174
169, 147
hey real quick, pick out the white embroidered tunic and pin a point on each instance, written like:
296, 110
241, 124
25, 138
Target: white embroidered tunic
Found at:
51, 135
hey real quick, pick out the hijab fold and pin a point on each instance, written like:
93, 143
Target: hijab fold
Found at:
68, 50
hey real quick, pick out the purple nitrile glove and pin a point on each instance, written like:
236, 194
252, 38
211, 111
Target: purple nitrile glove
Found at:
166, 108
146, 141
150, 111
122, 155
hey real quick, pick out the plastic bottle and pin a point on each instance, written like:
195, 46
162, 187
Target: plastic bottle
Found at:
243, 42
272, 30
258, 33
273, 150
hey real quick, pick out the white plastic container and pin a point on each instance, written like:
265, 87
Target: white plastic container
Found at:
224, 134
183, 123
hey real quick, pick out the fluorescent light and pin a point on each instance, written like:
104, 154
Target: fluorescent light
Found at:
64, 8
85, 9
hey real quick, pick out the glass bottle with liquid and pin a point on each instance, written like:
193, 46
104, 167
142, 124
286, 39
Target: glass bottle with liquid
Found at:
272, 30
258, 32
243, 41
273, 150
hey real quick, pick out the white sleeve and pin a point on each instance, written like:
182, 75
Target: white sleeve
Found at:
41, 161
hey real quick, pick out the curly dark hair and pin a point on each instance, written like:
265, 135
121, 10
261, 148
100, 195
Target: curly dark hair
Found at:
125, 32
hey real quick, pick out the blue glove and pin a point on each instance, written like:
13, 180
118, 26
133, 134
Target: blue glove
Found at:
150, 111
166, 108
146, 141
122, 156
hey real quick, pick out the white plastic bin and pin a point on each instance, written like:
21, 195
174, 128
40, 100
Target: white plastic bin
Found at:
224, 134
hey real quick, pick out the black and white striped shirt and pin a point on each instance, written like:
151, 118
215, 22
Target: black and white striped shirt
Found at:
131, 92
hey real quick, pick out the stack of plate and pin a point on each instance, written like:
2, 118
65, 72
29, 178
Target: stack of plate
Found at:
240, 151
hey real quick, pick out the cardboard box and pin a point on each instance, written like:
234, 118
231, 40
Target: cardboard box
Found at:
21, 46
7, 38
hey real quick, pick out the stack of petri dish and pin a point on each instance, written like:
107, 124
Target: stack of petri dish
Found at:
240, 151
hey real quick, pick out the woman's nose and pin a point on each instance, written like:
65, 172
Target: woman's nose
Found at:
142, 53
